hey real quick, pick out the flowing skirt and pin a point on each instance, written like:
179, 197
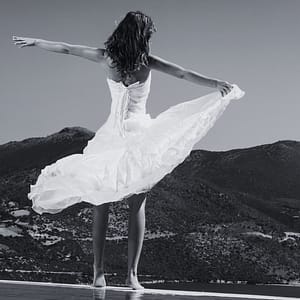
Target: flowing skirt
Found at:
113, 167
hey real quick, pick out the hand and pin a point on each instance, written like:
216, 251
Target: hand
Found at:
23, 41
224, 87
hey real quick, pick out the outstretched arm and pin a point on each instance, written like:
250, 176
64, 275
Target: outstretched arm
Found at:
91, 53
157, 63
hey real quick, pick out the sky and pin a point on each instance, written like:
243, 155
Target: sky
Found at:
254, 44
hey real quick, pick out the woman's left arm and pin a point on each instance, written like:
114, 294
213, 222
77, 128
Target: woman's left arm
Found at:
91, 53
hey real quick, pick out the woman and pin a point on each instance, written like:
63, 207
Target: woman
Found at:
131, 152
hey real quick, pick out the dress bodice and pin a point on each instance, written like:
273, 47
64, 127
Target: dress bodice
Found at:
128, 103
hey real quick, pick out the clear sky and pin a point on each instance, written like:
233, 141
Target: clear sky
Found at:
254, 44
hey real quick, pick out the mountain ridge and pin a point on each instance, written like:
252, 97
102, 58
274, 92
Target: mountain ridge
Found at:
219, 215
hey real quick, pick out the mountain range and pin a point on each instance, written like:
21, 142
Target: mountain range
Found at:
220, 215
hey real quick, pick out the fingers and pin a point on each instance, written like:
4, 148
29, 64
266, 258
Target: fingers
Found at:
19, 41
18, 38
21, 44
23, 41
223, 91
225, 88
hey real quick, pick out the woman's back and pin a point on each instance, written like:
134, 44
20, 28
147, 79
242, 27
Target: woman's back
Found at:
140, 75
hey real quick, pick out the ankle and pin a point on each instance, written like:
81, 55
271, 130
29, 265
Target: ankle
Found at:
132, 272
98, 269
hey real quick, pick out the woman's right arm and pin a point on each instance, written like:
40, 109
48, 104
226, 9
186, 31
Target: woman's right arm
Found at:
91, 53
157, 63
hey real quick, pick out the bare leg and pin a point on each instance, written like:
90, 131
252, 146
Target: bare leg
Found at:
136, 231
99, 234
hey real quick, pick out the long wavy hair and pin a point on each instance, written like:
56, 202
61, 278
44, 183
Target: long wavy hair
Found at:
128, 46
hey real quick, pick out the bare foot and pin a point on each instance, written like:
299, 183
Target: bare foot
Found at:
132, 281
99, 279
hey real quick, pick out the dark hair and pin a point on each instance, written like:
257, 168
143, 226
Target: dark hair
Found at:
128, 46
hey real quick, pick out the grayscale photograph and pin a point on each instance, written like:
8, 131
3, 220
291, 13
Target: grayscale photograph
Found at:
149, 149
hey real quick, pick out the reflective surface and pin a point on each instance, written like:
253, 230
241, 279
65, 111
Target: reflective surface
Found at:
51, 291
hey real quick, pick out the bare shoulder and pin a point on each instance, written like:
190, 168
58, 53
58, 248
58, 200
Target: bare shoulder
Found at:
160, 64
156, 61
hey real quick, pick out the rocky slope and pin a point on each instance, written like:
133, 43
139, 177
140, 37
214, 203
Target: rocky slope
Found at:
228, 215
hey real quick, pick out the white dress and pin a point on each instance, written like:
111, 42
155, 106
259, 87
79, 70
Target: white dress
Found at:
131, 152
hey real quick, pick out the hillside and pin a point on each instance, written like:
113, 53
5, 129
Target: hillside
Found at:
220, 215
